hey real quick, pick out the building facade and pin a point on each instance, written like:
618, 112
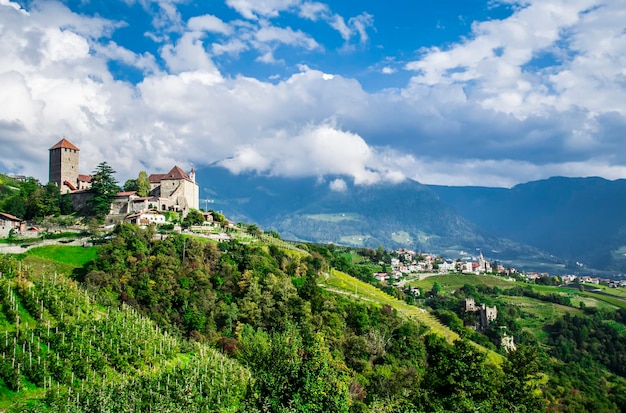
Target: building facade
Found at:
176, 190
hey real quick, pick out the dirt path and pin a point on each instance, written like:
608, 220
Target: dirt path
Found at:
18, 249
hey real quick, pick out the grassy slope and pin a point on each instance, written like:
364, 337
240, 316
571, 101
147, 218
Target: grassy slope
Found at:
38, 268
344, 284
74, 256
451, 282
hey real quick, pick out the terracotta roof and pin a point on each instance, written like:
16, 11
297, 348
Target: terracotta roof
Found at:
85, 178
10, 217
64, 143
175, 173
69, 185
156, 178
126, 193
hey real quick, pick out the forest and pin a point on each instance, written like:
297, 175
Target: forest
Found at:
160, 321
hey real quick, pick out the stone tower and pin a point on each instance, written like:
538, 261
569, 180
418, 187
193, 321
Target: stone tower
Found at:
63, 165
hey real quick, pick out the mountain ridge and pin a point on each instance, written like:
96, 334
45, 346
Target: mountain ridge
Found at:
407, 214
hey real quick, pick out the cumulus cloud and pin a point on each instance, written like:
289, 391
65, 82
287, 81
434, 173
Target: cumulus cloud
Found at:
316, 150
253, 9
546, 55
534, 94
338, 185
209, 23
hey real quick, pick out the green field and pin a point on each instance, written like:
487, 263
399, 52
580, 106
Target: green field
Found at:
402, 237
339, 217
452, 282
75, 256
354, 240
538, 313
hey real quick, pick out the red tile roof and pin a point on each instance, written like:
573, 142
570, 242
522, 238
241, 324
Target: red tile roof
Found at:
175, 173
69, 185
10, 217
84, 178
156, 178
64, 143
126, 193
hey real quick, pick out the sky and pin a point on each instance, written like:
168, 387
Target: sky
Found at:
450, 92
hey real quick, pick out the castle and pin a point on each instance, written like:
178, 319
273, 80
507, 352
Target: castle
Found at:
485, 314
172, 191
63, 168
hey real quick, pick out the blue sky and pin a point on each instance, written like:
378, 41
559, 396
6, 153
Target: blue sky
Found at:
466, 92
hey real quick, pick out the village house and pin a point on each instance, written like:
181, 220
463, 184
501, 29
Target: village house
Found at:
381, 276
10, 223
151, 216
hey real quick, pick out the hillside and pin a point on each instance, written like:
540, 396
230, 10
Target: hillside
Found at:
408, 215
579, 219
288, 342
139, 325
59, 344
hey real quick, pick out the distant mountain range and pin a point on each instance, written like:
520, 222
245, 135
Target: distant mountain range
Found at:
580, 219
408, 214
560, 225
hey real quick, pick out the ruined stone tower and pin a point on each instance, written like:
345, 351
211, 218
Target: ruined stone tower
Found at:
63, 166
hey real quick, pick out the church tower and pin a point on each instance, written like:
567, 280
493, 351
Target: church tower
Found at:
63, 166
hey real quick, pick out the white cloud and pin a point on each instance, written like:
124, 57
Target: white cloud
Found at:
388, 70
232, 47
582, 48
145, 62
188, 54
253, 9
360, 24
538, 93
338, 185
209, 23
315, 150
313, 10
286, 36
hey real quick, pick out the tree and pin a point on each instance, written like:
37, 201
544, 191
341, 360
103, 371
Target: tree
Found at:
143, 184
15, 205
435, 290
66, 206
104, 186
130, 185
194, 217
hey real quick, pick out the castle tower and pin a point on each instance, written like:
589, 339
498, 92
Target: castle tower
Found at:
63, 166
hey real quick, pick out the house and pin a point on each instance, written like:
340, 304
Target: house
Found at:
381, 276
9, 222
151, 216
447, 266
177, 190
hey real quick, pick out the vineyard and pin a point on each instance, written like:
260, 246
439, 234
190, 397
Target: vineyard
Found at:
61, 352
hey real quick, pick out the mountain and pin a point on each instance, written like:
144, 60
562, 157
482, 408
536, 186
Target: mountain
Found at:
580, 219
406, 214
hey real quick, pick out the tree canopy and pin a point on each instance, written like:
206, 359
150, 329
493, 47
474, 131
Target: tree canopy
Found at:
104, 186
